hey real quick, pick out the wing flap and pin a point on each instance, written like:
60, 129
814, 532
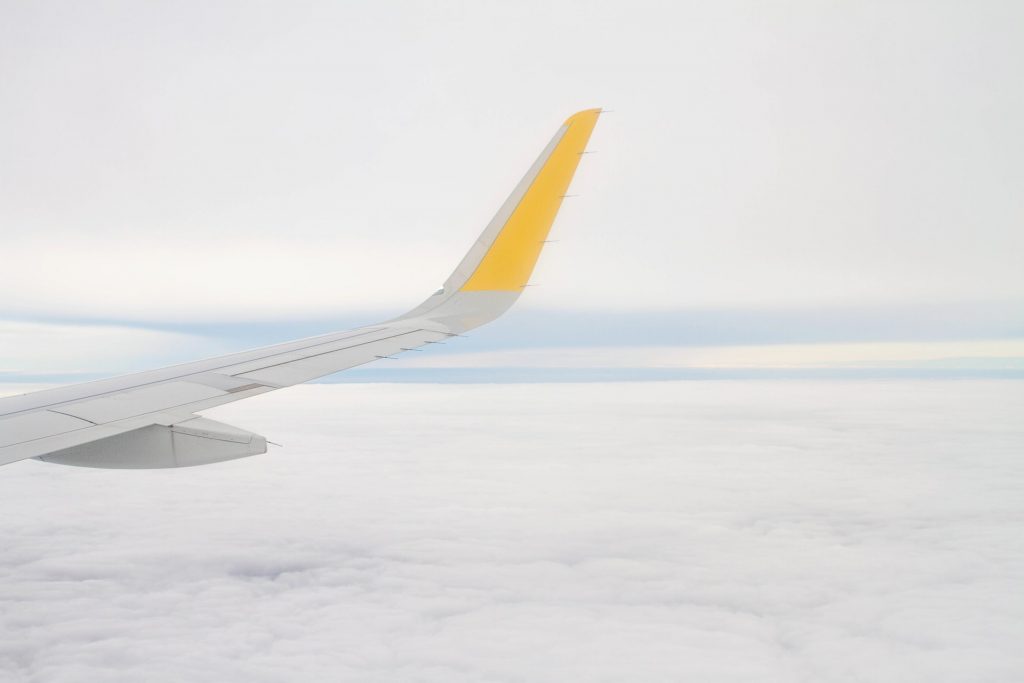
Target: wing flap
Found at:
140, 401
302, 370
354, 344
29, 426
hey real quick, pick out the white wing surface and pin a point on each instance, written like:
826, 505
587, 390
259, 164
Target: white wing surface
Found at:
149, 419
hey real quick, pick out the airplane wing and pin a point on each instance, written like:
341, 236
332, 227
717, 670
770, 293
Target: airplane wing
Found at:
148, 419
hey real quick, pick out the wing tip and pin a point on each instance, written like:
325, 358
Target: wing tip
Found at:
584, 114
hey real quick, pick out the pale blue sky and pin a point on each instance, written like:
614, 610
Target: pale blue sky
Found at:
772, 172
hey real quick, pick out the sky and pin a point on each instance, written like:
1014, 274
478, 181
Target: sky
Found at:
806, 532
242, 173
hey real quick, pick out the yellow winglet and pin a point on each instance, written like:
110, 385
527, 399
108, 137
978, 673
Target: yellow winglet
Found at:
509, 262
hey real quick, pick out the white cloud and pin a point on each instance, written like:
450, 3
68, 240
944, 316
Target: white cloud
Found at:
712, 531
1003, 352
51, 348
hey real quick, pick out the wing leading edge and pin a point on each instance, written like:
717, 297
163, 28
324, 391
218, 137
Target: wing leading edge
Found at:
149, 419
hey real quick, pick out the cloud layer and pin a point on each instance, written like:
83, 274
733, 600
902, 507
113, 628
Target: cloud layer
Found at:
713, 531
